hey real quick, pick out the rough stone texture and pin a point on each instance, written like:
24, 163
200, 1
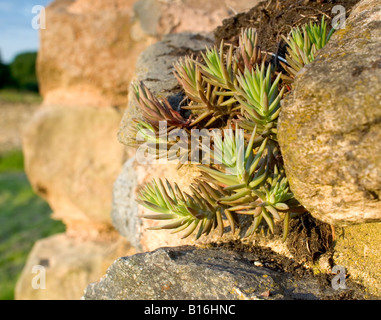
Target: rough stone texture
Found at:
72, 158
120, 281
70, 265
329, 127
122, 29
157, 17
358, 250
194, 274
86, 54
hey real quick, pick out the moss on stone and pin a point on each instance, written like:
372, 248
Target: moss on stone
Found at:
358, 250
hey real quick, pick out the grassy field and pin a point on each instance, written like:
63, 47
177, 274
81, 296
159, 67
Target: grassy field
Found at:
12, 161
17, 96
24, 218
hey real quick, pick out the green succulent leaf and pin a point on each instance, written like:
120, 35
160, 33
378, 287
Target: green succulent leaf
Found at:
303, 44
259, 96
249, 53
219, 67
185, 212
237, 90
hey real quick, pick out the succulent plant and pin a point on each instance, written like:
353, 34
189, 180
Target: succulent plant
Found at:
235, 95
208, 103
185, 212
249, 52
303, 44
252, 177
260, 99
155, 110
158, 122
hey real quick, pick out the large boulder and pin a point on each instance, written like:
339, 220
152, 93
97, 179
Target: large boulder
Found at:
89, 48
60, 267
329, 127
87, 54
72, 159
157, 18
208, 274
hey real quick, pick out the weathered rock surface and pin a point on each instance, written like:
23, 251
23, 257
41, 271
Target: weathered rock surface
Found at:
190, 273
87, 54
110, 35
122, 280
157, 18
69, 265
72, 158
329, 127
358, 249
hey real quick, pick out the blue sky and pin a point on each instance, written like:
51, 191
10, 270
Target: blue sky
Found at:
16, 32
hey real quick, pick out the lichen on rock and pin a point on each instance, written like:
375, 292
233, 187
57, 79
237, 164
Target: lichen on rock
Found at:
329, 129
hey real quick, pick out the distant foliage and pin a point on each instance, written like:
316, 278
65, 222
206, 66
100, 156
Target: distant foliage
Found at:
23, 72
5, 76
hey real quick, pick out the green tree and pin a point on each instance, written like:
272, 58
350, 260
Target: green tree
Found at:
5, 76
23, 71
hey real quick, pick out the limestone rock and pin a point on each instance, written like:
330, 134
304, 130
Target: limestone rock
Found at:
157, 18
72, 158
329, 127
87, 54
357, 249
110, 35
194, 274
65, 266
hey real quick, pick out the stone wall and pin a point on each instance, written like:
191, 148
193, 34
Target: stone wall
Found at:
85, 64
330, 133
74, 160
355, 248
329, 127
